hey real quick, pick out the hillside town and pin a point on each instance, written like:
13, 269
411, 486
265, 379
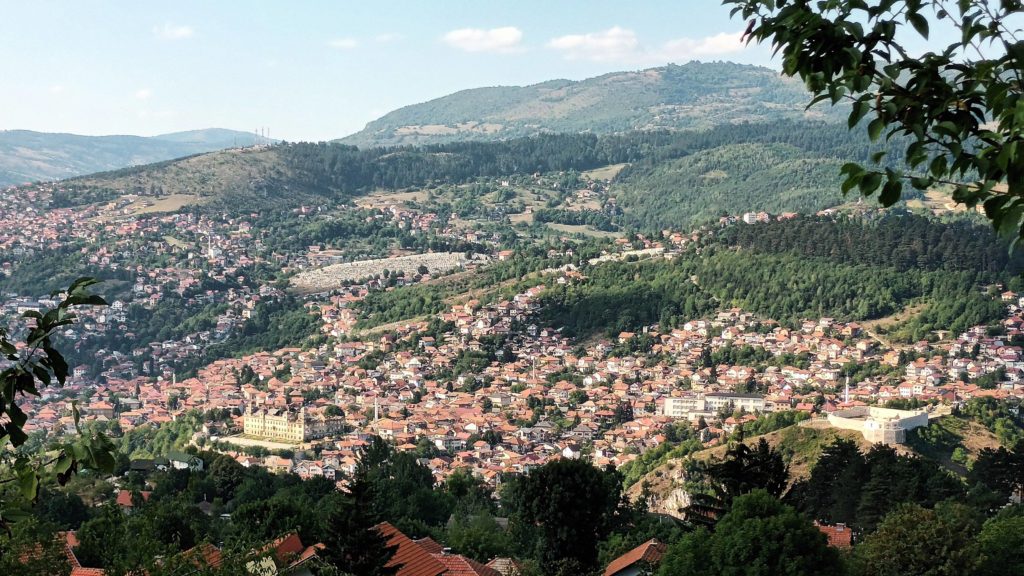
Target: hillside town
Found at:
480, 386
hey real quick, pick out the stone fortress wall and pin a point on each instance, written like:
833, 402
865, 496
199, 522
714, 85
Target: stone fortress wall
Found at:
879, 425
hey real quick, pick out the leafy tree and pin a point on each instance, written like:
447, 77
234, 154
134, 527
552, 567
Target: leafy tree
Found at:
1001, 546
63, 508
957, 107
832, 492
396, 488
744, 469
564, 509
916, 541
111, 541
41, 365
758, 536
861, 489
478, 535
227, 474
351, 542
1001, 470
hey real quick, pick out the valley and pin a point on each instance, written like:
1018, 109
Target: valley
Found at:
648, 282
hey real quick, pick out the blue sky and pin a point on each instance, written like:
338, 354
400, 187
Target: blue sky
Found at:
318, 70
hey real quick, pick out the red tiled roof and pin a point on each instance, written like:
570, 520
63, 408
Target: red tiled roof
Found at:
839, 536
124, 498
204, 555
649, 552
286, 548
410, 558
461, 566
430, 545
505, 566
79, 571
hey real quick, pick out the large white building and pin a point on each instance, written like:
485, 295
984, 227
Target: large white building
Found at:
693, 406
281, 424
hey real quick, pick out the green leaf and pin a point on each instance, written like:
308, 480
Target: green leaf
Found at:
869, 183
58, 364
875, 129
920, 183
850, 183
891, 192
859, 110
920, 23
64, 463
28, 483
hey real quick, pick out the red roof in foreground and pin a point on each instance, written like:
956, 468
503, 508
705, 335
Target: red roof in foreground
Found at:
839, 536
286, 547
430, 545
410, 558
461, 566
649, 552
505, 566
79, 571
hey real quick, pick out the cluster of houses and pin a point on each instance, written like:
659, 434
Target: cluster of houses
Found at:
537, 397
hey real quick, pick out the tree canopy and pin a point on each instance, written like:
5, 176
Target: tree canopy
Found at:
958, 106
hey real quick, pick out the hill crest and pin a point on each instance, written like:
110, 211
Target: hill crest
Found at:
692, 95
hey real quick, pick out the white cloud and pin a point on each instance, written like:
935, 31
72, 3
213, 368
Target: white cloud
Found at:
343, 43
505, 39
614, 44
57, 89
143, 93
619, 44
387, 37
717, 45
173, 32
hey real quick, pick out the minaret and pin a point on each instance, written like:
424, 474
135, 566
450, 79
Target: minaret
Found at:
376, 410
846, 395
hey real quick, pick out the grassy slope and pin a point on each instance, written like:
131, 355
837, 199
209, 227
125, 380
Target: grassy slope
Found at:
202, 175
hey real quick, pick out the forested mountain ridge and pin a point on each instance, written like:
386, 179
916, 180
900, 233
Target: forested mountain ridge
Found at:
693, 95
671, 178
27, 156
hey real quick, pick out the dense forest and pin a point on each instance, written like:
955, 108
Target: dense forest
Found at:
851, 268
777, 167
899, 240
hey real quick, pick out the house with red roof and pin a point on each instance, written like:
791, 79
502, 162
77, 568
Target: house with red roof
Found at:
637, 561
425, 557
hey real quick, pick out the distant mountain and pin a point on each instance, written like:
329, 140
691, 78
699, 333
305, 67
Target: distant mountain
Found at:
218, 137
694, 95
27, 156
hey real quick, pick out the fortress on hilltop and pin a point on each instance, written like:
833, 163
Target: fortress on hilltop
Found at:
879, 425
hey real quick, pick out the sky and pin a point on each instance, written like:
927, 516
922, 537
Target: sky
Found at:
319, 70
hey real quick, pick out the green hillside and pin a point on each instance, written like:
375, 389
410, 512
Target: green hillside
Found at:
730, 179
671, 178
694, 95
